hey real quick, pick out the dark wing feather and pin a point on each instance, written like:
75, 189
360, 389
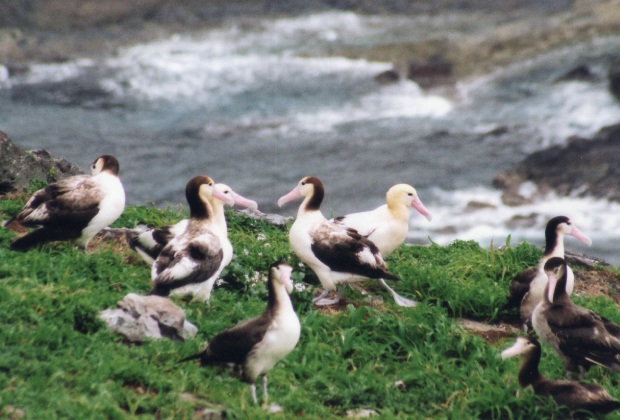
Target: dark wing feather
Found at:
204, 258
71, 203
519, 286
582, 336
345, 250
234, 344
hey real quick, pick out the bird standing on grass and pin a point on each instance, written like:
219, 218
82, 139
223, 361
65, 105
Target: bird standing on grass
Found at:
149, 243
256, 345
527, 288
336, 254
192, 261
74, 209
580, 337
575, 395
387, 225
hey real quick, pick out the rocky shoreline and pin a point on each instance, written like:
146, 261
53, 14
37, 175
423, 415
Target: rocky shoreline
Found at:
584, 167
46, 31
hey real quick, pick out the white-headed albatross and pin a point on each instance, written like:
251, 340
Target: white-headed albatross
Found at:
149, 243
580, 337
527, 288
256, 345
192, 261
75, 209
575, 395
387, 225
336, 254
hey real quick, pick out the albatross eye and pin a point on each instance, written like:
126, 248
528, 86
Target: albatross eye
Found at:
303, 183
410, 194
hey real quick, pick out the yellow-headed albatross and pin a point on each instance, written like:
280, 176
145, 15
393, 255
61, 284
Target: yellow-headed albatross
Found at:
387, 225
336, 254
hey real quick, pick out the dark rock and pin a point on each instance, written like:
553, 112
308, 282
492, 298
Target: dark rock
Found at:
434, 72
584, 167
17, 167
15, 69
474, 206
45, 14
387, 77
510, 183
82, 91
613, 75
583, 260
522, 222
581, 72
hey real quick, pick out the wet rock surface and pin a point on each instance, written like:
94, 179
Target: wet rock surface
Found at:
18, 167
584, 167
139, 317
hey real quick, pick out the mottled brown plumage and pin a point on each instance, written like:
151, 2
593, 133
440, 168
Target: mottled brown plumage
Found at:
581, 337
575, 395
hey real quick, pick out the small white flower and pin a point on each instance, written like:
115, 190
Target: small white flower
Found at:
301, 265
267, 245
256, 277
260, 254
300, 287
246, 252
219, 282
261, 237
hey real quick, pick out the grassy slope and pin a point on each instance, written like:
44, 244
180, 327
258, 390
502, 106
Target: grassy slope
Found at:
57, 360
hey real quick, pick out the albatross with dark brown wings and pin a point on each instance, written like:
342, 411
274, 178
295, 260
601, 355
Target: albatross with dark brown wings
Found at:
192, 261
580, 337
149, 243
527, 288
336, 254
75, 209
256, 345
575, 395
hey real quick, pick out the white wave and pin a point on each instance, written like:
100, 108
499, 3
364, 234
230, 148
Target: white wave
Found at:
403, 100
596, 218
574, 109
55, 72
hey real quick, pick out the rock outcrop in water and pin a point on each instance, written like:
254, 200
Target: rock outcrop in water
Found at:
613, 76
584, 167
18, 167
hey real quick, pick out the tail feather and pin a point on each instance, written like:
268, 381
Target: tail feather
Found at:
41, 236
158, 291
192, 357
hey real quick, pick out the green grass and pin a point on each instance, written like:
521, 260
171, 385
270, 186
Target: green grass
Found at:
58, 361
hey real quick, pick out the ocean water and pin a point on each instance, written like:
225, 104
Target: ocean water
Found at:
260, 103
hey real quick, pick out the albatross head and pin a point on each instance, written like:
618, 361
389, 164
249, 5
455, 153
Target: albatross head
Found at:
239, 200
403, 194
106, 163
309, 186
522, 345
280, 272
555, 269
